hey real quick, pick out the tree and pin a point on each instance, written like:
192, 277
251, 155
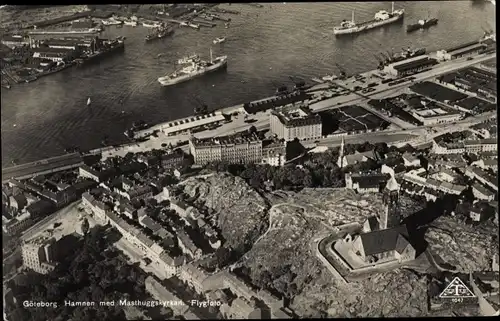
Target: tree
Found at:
223, 256
85, 226
252, 130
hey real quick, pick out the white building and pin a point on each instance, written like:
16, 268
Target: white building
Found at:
292, 122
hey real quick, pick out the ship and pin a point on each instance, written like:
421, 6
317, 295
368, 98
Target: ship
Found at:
197, 68
111, 22
188, 59
381, 18
131, 23
151, 24
161, 33
219, 40
422, 24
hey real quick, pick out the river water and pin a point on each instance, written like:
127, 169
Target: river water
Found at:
265, 47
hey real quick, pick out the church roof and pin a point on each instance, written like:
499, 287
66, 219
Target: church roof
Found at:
394, 239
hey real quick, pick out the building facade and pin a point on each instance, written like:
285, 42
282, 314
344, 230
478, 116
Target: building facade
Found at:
38, 255
229, 149
292, 122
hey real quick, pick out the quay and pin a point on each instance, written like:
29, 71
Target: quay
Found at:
183, 125
50, 22
54, 32
41, 167
204, 23
220, 10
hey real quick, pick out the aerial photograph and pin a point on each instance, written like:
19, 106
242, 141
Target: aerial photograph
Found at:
275, 160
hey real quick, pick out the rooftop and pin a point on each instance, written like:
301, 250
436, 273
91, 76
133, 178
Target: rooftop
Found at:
225, 140
467, 49
414, 62
394, 239
296, 116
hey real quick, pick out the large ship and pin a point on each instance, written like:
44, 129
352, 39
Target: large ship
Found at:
381, 18
197, 68
422, 24
160, 33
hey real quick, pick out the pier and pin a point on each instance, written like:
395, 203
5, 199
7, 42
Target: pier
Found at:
74, 160
220, 10
39, 33
46, 166
204, 23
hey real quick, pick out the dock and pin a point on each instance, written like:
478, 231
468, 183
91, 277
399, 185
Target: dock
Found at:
217, 17
204, 23
220, 10
46, 166
54, 32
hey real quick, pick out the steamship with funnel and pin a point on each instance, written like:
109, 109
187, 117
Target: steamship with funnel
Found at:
196, 68
381, 18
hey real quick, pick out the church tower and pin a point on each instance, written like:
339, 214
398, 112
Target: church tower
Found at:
391, 216
340, 161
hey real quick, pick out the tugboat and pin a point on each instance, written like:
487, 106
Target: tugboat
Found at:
422, 24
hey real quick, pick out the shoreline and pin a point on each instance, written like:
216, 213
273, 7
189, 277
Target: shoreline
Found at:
239, 106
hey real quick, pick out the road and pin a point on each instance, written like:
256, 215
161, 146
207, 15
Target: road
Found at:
41, 167
261, 122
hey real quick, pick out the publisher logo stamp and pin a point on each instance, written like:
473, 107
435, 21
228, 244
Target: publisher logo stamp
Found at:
456, 291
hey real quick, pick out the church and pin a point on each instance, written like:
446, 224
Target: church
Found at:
383, 239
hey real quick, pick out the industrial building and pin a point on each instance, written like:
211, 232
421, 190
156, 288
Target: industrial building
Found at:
468, 146
292, 122
435, 114
276, 101
465, 50
410, 66
230, 149
54, 54
14, 41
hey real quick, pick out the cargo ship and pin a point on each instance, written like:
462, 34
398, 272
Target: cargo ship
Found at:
196, 69
161, 33
381, 18
422, 24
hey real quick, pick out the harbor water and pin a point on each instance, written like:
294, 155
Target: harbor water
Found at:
265, 46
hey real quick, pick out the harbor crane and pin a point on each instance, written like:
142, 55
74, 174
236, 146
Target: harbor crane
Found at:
202, 107
299, 83
280, 90
343, 73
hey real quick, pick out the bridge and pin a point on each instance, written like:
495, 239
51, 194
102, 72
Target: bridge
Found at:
46, 166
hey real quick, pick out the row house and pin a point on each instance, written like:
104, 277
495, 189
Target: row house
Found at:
482, 193
187, 245
483, 177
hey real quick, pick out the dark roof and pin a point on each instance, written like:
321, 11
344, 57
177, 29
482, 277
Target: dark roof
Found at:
52, 50
394, 239
373, 223
424, 61
370, 181
462, 46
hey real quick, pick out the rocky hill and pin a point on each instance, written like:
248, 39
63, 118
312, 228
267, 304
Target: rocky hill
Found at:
467, 248
238, 210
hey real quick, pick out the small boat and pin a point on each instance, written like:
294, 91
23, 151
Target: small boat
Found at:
219, 40
89, 102
151, 24
329, 78
130, 23
183, 24
226, 25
